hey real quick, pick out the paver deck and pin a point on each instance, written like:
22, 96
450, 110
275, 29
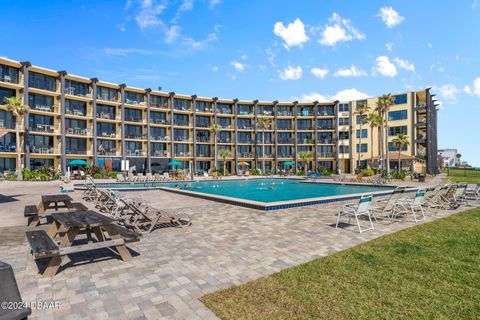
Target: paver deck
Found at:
173, 267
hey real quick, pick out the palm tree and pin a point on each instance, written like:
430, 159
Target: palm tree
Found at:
224, 154
399, 141
214, 129
18, 109
383, 106
361, 111
263, 123
374, 120
305, 156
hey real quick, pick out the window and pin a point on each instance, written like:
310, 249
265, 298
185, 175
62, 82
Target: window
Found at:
38, 163
76, 146
400, 99
364, 133
283, 124
393, 131
325, 111
304, 125
364, 147
133, 132
343, 121
397, 115
181, 104
41, 81
181, 120
8, 143
7, 164
224, 108
158, 133
364, 119
8, 74
133, 115
263, 110
158, 101
343, 135
158, 117
105, 129
202, 122
133, 98
77, 88
203, 150
7, 120
328, 165
392, 147
244, 109
105, 112
107, 94
224, 122
78, 108
40, 102
344, 149
325, 124
343, 107
6, 93
74, 124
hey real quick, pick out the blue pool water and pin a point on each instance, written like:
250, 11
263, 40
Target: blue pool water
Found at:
263, 190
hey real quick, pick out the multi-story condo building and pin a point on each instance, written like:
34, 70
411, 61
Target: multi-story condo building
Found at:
72, 117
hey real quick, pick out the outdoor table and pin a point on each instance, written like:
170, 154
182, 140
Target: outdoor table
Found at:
80, 222
48, 200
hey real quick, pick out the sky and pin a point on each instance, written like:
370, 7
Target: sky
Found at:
267, 50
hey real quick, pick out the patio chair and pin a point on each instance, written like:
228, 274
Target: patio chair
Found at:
436, 199
166, 176
120, 177
357, 210
149, 177
413, 206
140, 177
473, 193
389, 206
459, 196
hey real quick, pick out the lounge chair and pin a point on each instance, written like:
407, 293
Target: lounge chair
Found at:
389, 206
166, 176
120, 178
149, 177
357, 210
473, 193
413, 206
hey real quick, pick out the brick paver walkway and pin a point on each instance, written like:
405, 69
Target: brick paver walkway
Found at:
226, 245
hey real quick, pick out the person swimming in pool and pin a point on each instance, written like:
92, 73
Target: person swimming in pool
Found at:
177, 186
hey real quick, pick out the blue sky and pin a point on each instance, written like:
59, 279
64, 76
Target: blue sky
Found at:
266, 50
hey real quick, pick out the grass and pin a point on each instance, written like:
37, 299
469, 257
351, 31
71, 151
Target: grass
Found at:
461, 175
431, 271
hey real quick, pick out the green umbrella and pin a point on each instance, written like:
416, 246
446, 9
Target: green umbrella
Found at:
174, 163
78, 162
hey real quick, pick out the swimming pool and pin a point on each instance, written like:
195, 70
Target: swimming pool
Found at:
264, 194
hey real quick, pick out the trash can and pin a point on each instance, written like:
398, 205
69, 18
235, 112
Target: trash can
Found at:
421, 178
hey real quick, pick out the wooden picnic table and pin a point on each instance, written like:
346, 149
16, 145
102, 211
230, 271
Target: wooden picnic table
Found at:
75, 223
55, 199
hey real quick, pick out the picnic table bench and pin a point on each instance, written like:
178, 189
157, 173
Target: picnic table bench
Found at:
107, 234
34, 213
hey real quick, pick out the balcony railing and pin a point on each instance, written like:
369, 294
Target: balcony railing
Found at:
134, 153
206, 110
160, 105
133, 119
159, 121
203, 139
106, 134
325, 154
304, 128
245, 127
75, 151
107, 97
325, 141
159, 138
227, 140
183, 154
77, 131
224, 111
285, 128
134, 102
182, 139
203, 155
181, 123
245, 113
284, 114
305, 113
245, 141
285, 141
325, 127
285, 155
75, 112
42, 128
71, 91
203, 125
8, 147
9, 78
325, 113
160, 153
104, 115
107, 152
245, 155
133, 136
41, 107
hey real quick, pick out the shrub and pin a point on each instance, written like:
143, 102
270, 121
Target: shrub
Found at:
300, 173
255, 172
327, 173
368, 172
94, 170
98, 176
50, 172
113, 174
399, 174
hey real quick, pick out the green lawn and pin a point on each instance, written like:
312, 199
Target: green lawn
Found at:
460, 175
431, 271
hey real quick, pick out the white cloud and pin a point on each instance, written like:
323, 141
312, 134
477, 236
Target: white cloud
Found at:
213, 3
123, 52
121, 27
476, 86
215, 68
468, 90
390, 17
385, 67
339, 29
238, 65
186, 5
349, 94
405, 64
172, 33
476, 3
353, 71
271, 56
293, 34
313, 96
448, 92
148, 15
389, 46
244, 56
200, 44
319, 72
291, 73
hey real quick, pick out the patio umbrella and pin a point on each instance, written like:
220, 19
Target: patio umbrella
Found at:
243, 163
288, 163
174, 163
78, 162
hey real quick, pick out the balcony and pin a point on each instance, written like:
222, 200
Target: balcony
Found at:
203, 155
43, 128
305, 113
267, 141
245, 127
325, 141
182, 139
304, 128
44, 108
10, 78
106, 116
325, 113
106, 134
325, 128
181, 123
133, 136
245, 155
77, 131
160, 138
205, 110
76, 151
107, 97
203, 125
203, 139
225, 140
325, 154
75, 112
245, 113
183, 154
79, 93
285, 128
160, 153
107, 152
43, 150
8, 147
284, 114
242, 141
134, 102
224, 111
134, 153
285, 141
159, 121
265, 113
285, 155
133, 119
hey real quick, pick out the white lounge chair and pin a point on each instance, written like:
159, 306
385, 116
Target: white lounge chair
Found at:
389, 206
120, 177
356, 210
413, 206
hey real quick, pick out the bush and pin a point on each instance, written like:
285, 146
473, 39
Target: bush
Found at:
94, 170
255, 172
113, 174
300, 173
98, 176
50, 172
327, 173
368, 172
399, 174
